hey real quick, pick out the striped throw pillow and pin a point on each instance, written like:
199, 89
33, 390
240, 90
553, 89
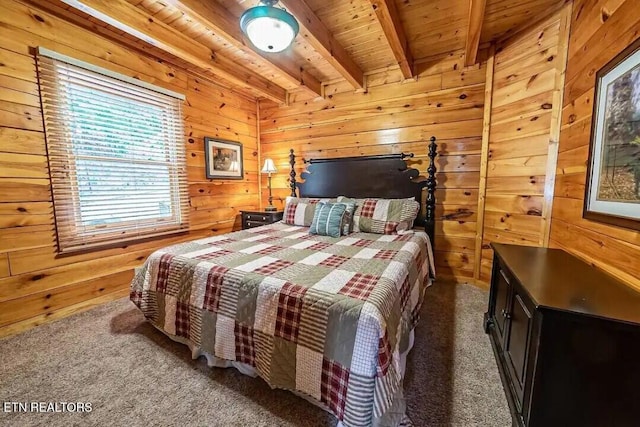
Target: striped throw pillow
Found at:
327, 219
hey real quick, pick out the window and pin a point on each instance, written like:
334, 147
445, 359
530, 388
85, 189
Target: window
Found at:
116, 154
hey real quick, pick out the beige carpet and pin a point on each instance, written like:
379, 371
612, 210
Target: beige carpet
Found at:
133, 375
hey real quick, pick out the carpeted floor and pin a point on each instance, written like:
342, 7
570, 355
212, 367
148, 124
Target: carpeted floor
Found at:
133, 375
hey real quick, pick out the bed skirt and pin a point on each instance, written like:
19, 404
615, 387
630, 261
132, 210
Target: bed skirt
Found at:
394, 417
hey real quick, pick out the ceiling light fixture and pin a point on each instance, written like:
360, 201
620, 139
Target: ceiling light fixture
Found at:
269, 28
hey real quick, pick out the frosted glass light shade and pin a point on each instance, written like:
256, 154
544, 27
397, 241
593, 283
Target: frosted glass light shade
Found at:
269, 166
270, 29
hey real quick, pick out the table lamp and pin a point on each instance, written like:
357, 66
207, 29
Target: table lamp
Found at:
269, 168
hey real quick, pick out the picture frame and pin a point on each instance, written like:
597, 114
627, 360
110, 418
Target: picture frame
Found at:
612, 189
223, 159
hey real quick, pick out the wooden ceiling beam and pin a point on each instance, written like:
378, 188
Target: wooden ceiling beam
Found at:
221, 21
134, 21
389, 19
323, 41
476, 16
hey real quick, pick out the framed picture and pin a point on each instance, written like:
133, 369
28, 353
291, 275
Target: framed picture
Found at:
223, 159
612, 190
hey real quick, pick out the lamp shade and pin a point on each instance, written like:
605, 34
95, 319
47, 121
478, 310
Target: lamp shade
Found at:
269, 28
269, 167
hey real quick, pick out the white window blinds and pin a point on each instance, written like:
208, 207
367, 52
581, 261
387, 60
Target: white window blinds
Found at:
116, 155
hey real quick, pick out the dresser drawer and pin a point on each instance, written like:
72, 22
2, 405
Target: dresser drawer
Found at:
252, 224
251, 219
257, 217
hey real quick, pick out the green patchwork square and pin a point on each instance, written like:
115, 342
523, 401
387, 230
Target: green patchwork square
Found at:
294, 255
283, 364
309, 275
373, 267
247, 298
161, 309
342, 325
394, 212
208, 331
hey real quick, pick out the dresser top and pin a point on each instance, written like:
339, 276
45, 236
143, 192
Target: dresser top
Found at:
259, 212
558, 280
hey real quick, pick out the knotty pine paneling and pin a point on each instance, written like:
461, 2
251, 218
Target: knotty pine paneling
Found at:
35, 284
523, 134
600, 29
446, 101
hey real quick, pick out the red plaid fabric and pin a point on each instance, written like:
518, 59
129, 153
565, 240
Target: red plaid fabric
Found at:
261, 230
214, 255
334, 261
163, 272
385, 254
182, 319
362, 243
333, 387
289, 215
319, 246
136, 297
266, 239
273, 267
269, 250
368, 207
289, 309
384, 355
360, 286
403, 237
415, 315
390, 227
213, 289
245, 349
220, 242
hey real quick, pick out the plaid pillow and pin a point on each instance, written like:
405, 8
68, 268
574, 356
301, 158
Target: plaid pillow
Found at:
347, 219
383, 216
327, 219
299, 211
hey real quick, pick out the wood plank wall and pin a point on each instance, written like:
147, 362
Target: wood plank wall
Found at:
35, 285
525, 110
600, 29
391, 117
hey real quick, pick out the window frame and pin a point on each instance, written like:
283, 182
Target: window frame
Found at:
72, 236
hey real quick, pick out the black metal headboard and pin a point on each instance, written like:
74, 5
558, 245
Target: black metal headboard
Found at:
385, 176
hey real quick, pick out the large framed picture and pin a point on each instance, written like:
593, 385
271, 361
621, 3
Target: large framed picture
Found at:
223, 159
612, 191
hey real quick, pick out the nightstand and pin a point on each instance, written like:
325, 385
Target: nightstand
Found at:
252, 219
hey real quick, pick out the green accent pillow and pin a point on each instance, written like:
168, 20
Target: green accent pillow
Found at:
327, 219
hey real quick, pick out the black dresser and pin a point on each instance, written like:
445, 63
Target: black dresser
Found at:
566, 337
252, 219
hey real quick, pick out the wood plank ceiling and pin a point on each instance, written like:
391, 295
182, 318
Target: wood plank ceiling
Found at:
338, 40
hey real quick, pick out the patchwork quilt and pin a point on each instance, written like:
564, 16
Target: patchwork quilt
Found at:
326, 317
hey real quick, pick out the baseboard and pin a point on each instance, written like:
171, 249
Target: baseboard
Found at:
24, 325
461, 279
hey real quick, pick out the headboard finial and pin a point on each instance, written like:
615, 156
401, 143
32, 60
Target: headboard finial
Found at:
431, 190
292, 174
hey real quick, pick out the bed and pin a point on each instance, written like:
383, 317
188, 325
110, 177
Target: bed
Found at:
329, 318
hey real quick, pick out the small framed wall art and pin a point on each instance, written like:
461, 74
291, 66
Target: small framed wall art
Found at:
223, 159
